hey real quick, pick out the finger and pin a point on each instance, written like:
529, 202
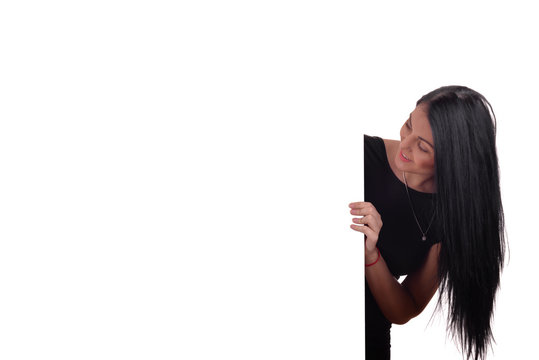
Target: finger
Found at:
362, 220
359, 204
370, 210
365, 210
357, 211
371, 235
374, 222
372, 230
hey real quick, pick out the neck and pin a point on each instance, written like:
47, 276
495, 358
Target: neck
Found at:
420, 183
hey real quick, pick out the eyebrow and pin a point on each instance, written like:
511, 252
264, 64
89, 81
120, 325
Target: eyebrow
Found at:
426, 141
419, 137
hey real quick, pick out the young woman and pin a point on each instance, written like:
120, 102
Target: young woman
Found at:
433, 211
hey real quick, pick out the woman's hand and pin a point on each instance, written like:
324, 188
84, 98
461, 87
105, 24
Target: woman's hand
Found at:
372, 224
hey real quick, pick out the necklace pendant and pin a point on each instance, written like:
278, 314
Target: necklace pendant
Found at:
424, 237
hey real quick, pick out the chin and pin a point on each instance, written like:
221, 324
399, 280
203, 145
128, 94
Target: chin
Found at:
399, 165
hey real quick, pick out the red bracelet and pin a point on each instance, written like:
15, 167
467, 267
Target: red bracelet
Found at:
378, 258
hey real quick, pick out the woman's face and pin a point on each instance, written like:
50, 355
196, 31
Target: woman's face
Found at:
416, 150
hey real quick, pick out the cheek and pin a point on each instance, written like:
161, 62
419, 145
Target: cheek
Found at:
426, 162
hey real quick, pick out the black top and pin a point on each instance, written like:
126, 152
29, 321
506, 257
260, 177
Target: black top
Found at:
400, 240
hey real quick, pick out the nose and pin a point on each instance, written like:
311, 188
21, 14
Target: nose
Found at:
406, 141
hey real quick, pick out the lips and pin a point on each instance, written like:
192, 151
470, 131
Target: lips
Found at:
403, 157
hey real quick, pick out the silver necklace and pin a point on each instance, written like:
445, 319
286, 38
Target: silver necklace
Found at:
424, 233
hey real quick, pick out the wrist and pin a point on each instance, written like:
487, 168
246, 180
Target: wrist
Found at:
372, 257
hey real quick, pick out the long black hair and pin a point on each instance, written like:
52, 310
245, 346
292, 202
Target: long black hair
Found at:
469, 212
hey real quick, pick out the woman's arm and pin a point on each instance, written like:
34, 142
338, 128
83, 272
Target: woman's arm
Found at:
401, 302
398, 302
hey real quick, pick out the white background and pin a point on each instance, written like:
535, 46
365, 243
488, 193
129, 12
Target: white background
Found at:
175, 175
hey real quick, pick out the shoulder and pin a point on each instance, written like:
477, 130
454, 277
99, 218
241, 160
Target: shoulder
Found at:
374, 151
378, 151
392, 147
377, 142
371, 140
